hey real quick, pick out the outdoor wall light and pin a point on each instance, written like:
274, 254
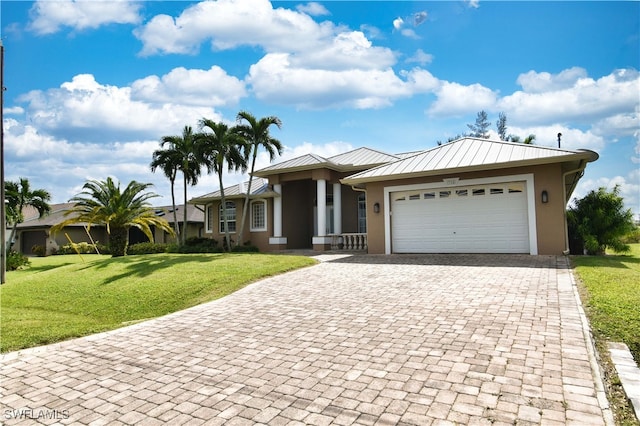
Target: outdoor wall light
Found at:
376, 207
545, 196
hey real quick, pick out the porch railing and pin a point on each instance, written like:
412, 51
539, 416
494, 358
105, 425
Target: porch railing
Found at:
349, 241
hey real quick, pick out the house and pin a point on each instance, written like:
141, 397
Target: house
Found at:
468, 196
35, 230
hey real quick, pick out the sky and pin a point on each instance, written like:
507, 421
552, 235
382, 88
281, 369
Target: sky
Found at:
92, 86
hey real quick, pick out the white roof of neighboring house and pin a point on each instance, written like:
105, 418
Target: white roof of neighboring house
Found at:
469, 154
259, 187
352, 160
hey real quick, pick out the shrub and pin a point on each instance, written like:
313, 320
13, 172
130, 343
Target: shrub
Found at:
195, 245
39, 250
82, 248
245, 249
632, 237
16, 260
147, 248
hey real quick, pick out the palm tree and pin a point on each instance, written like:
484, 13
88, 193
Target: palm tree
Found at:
168, 160
103, 203
18, 196
256, 134
182, 150
219, 145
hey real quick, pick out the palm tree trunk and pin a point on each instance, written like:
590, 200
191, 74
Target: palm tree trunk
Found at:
118, 241
12, 237
224, 213
176, 225
184, 220
245, 207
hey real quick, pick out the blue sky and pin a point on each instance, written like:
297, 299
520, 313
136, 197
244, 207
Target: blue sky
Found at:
92, 86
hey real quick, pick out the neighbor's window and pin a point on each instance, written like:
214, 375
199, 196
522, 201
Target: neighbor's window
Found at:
258, 215
231, 217
210, 218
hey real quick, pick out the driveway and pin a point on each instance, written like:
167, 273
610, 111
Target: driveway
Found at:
433, 339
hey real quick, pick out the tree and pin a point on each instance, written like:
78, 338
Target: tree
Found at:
169, 160
18, 196
183, 153
601, 220
255, 134
501, 126
527, 141
103, 203
480, 128
218, 145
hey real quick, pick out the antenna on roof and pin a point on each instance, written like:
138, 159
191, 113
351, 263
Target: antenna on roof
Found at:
559, 136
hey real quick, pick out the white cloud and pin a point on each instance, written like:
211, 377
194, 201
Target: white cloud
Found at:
420, 57
233, 23
571, 96
572, 138
319, 88
14, 110
92, 111
398, 23
313, 9
48, 17
454, 98
212, 87
629, 189
409, 33
474, 3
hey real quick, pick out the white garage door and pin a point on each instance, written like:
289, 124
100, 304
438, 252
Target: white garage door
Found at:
488, 218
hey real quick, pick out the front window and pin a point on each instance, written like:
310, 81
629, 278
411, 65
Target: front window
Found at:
210, 218
258, 215
231, 217
362, 214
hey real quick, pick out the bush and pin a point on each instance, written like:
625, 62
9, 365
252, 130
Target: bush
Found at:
82, 248
147, 248
632, 237
39, 250
16, 260
245, 249
195, 245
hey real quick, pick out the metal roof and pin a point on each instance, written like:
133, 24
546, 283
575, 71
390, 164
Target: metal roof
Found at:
349, 161
259, 187
469, 154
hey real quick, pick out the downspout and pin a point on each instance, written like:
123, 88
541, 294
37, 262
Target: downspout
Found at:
583, 165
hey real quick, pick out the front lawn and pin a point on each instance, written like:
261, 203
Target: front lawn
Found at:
610, 290
61, 297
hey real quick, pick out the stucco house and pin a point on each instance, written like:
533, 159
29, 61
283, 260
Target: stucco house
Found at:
467, 196
35, 230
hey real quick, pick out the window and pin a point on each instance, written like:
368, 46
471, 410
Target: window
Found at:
414, 197
258, 215
496, 191
362, 213
478, 191
515, 188
462, 192
429, 195
231, 217
445, 194
210, 218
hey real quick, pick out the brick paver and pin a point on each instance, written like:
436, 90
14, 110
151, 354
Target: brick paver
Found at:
436, 339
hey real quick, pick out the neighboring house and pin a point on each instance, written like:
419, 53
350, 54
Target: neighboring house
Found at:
467, 196
36, 231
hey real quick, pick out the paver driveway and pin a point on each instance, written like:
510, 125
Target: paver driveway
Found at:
366, 339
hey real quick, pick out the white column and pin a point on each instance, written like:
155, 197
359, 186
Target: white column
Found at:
337, 208
277, 217
277, 211
321, 195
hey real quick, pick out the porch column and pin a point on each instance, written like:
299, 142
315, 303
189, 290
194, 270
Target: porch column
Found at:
337, 208
277, 238
321, 196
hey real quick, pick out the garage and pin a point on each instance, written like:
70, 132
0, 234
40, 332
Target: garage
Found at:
489, 218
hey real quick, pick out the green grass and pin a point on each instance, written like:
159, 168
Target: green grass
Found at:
612, 296
60, 297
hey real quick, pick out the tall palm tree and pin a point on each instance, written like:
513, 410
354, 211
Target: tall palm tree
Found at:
183, 150
256, 134
218, 145
168, 160
18, 196
103, 203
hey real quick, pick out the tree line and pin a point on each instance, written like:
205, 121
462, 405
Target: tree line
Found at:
480, 129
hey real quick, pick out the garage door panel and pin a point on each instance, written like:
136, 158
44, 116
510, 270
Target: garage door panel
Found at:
478, 219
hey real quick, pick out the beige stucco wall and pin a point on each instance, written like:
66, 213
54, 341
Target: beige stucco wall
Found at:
550, 220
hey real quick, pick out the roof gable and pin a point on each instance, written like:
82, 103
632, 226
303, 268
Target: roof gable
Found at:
362, 157
258, 187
